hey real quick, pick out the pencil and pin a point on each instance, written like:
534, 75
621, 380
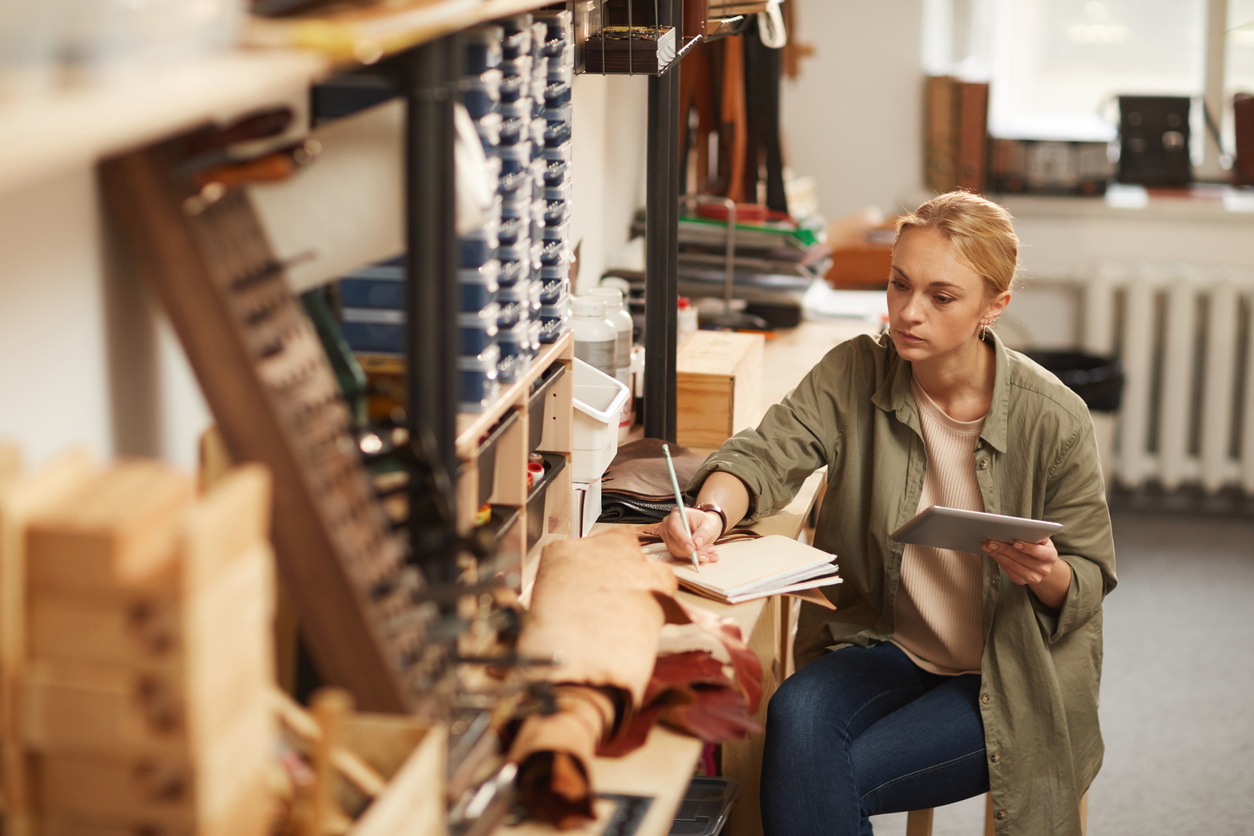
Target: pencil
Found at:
679, 503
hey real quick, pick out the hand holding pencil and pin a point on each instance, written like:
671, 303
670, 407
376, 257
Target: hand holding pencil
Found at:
687, 532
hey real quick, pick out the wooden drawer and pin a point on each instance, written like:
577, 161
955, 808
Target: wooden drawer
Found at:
718, 387
74, 706
140, 628
251, 814
170, 791
118, 527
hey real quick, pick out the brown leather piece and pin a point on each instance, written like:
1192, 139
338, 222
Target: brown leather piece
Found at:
639, 470
598, 607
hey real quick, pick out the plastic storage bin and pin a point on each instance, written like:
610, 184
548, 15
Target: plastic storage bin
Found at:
511, 229
374, 330
558, 153
553, 320
482, 49
705, 807
478, 286
554, 172
517, 40
1097, 380
514, 270
555, 254
481, 94
512, 368
489, 128
477, 384
378, 286
478, 330
556, 95
514, 303
478, 247
598, 401
520, 66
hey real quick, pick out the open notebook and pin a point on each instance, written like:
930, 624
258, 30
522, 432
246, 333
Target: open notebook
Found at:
749, 569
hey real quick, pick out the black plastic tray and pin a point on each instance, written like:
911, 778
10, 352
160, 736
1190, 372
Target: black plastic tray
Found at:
536, 518
536, 404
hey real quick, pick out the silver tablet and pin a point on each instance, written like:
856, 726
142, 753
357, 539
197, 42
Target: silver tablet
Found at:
966, 531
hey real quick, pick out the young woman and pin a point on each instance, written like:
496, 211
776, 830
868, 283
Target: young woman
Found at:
940, 674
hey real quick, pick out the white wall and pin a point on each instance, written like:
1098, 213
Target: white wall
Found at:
609, 132
85, 359
853, 118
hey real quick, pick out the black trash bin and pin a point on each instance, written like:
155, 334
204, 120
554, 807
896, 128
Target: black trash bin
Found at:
1098, 380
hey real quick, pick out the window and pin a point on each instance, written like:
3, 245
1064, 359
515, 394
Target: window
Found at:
1053, 60
1239, 63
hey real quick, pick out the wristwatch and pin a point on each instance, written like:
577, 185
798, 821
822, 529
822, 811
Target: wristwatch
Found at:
710, 507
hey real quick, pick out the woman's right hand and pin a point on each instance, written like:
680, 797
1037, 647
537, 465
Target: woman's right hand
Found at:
706, 528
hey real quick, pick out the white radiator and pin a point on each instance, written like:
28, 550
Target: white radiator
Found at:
1186, 336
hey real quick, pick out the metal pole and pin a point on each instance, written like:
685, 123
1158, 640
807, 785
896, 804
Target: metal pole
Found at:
428, 74
662, 247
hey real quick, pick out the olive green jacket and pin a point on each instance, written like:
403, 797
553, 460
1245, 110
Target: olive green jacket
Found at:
1036, 457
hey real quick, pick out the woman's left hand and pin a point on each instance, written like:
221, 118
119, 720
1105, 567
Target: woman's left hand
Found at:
1026, 563
1036, 566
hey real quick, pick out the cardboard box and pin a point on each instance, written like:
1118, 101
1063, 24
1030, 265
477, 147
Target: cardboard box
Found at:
718, 387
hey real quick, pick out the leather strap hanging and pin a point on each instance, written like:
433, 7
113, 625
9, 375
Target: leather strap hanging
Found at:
763, 74
733, 127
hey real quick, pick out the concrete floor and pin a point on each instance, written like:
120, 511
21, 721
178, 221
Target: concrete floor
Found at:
1178, 683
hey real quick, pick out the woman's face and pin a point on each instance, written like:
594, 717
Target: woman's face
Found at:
936, 303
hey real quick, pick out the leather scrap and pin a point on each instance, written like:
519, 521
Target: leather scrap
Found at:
598, 607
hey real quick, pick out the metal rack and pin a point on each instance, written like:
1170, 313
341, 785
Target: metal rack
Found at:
648, 62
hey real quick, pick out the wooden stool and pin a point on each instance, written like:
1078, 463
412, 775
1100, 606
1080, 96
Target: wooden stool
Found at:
919, 822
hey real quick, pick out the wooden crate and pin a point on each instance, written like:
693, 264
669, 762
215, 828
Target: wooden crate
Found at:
718, 386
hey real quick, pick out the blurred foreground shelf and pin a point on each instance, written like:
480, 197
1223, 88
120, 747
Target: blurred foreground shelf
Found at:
80, 127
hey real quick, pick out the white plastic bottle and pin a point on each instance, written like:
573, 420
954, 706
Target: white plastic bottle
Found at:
596, 337
686, 321
615, 312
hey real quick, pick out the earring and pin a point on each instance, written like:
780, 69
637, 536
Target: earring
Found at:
984, 329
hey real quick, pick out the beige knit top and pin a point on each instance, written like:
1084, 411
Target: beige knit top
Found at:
938, 600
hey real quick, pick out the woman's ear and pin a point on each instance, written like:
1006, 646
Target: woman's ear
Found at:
998, 305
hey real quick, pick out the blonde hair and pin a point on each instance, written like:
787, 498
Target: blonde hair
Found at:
980, 231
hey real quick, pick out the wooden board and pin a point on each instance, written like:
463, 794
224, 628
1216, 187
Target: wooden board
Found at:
276, 401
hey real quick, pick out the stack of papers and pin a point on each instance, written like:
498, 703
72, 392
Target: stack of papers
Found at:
750, 569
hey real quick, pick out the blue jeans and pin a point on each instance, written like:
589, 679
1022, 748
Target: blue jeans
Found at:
861, 732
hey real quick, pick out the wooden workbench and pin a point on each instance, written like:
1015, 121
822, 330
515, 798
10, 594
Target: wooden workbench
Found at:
663, 767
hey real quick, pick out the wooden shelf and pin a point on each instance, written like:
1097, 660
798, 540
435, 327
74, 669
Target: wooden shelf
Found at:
368, 36
472, 425
80, 127
282, 58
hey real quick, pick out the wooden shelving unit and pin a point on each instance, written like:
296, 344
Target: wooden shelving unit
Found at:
531, 519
